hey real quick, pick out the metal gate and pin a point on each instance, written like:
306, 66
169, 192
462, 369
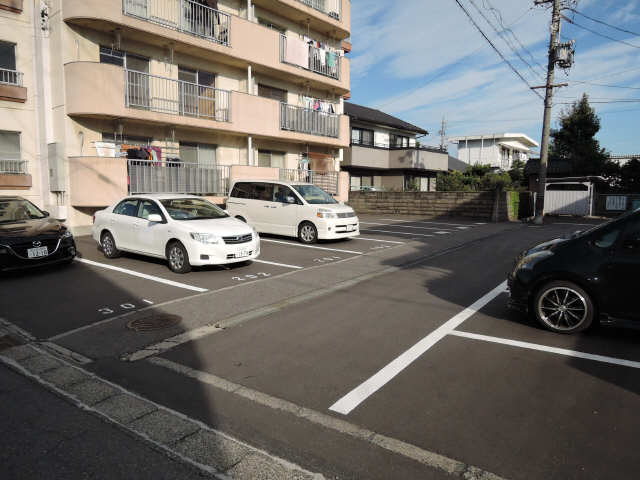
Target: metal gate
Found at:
573, 198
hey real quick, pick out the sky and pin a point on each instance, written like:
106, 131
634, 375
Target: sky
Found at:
422, 60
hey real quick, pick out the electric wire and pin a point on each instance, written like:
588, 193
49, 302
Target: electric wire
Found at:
604, 23
598, 33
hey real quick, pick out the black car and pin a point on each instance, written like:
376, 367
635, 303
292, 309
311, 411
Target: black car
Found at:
569, 283
30, 238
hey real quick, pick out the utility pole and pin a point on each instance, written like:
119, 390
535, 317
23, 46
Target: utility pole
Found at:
548, 104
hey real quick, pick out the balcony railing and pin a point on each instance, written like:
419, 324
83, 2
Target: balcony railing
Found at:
328, 181
146, 176
315, 59
184, 16
13, 167
304, 120
330, 7
10, 77
176, 97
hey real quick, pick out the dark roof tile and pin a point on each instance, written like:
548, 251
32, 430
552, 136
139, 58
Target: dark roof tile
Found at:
371, 115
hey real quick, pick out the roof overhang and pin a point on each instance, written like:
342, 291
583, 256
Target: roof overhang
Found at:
499, 137
515, 145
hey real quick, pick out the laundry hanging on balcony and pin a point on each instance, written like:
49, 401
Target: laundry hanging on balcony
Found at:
297, 52
317, 105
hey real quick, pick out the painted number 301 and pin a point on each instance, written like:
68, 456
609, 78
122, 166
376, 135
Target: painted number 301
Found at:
121, 307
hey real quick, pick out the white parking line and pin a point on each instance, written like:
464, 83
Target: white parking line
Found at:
422, 221
310, 246
544, 348
359, 394
295, 267
396, 233
402, 226
142, 275
376, 240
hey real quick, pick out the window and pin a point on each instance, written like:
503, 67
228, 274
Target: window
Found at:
631, 242
281, 192
147, 207
10, 157
399, 141
360, 136
200, 153
112, 56
273, 26
197, 94
272, 92
267, 158
243, 190
263, 191
7, 56
128, 207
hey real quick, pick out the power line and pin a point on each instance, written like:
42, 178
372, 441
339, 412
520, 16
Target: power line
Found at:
599, 34
604, 23
603, 85
524, 80
498, 16
504, 38
629, 100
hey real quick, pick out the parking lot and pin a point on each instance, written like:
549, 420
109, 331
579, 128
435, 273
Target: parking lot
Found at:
392, 355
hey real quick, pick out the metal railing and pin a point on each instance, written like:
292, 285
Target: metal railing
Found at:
10, 77
177, 97
146, 176
12, 166
330, 7
319, 61
304, 120
184, 16
328, 181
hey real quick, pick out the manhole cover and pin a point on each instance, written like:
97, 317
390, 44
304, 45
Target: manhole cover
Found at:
7, 342
154, 322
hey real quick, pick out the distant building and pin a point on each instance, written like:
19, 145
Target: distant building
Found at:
499, 150
623, 159
385, 153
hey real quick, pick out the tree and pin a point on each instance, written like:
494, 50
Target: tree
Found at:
516, 173
575, 140
630, 176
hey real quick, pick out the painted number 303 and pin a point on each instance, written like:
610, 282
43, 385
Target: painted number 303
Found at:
123, 307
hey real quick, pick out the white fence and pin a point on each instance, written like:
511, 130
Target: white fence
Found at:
12, 166
10, 77
305, 120
183, 15
328, 181
146, 176
166, 95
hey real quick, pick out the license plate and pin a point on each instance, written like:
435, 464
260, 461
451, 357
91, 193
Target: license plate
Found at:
242, 253
37, 252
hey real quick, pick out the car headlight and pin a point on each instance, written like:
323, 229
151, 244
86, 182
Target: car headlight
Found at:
67, 234
527, 263
206, 238
324, 213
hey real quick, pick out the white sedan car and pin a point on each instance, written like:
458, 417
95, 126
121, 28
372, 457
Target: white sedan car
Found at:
185, 229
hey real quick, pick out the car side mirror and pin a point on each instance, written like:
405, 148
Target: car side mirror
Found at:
154, 218
46, 214
290, 199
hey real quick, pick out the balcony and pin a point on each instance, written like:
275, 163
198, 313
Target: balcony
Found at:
13, 174
385, 158
183, 16
304, 120
294, 52
11, 88
100, 90
234, 41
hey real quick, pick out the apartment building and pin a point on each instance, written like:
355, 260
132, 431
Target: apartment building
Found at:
385, 153
499, 150
101, 98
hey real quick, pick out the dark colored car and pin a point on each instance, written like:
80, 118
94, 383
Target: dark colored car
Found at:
568, 283
30, 238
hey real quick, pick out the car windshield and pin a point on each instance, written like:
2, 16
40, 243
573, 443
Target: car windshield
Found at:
16, 210
192, 209
595, 228
314, 195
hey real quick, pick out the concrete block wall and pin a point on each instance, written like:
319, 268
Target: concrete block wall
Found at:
478, 205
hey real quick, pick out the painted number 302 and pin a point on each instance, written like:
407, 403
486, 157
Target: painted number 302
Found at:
121, 307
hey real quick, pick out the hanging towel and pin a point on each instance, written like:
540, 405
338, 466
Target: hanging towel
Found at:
323, 56
297, 52
332, 60
156, 152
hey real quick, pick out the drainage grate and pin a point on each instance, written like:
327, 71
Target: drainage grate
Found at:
151, 323
7, 342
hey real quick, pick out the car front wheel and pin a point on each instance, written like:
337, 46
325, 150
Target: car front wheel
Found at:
178, 258
307, 233
564, 307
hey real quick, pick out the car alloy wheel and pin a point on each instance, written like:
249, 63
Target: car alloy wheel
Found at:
108, 245
178, 258
308, 233
564, 307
